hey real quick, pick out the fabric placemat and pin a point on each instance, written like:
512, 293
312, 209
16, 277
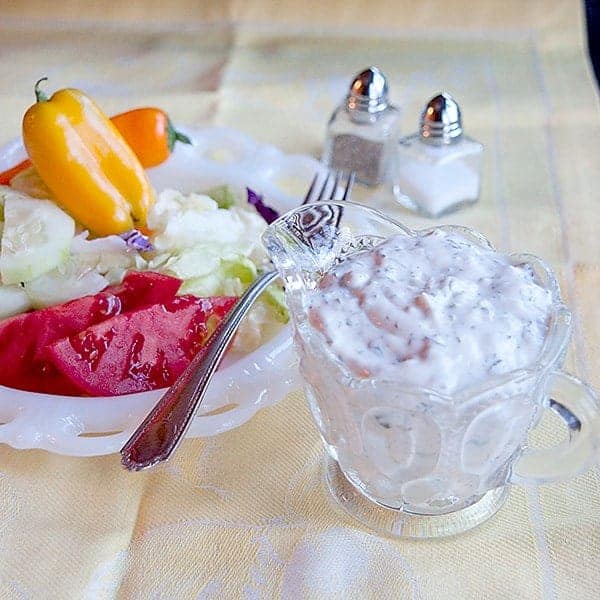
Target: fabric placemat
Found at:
246, 514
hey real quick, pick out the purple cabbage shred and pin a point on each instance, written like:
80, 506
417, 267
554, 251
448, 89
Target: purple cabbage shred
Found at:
137, 240
266, 212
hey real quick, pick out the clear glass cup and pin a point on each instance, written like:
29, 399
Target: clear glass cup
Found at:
412, 462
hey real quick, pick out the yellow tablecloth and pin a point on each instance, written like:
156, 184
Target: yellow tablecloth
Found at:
246, 514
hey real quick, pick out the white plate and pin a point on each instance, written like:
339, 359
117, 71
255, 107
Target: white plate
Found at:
96, 426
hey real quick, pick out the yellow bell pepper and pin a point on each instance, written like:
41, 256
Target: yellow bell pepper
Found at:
80, 155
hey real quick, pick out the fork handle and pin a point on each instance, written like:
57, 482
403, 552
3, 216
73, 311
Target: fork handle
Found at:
163, 429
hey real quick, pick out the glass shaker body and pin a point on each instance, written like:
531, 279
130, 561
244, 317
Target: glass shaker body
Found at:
437, 178
362, 142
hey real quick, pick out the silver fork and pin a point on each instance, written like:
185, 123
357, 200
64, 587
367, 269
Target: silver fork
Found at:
155, 440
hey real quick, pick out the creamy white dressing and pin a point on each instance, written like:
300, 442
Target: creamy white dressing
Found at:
434, 310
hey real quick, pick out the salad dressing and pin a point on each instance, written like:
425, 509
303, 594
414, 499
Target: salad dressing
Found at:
432, 310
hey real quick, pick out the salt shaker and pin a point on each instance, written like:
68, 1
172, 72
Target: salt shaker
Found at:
438, 168
362, 134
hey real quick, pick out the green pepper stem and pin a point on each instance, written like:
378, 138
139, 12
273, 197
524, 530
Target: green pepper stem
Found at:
40, 96
174, 136
181, 137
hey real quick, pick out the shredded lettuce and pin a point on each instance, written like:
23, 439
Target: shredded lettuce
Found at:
212, 242
239, 267
13, 300
91, 266
216, 277
181, 222
29, 182
56, 287
274, 297
222, 195
4, 191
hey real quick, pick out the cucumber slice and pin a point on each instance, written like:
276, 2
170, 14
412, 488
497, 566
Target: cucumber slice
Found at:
37, 238
13, 300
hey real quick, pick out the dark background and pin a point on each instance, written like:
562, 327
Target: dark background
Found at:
592, 11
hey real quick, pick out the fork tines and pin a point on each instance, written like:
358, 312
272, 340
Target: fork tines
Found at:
336, 185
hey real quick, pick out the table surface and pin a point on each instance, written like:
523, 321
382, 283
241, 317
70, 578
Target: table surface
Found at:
246, 514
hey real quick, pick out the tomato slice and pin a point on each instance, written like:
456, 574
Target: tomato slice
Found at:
24, 338
140, 350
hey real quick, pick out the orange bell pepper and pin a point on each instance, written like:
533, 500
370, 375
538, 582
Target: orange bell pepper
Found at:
150, 134
92, 172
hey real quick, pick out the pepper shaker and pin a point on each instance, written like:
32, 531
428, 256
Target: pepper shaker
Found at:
438, 168
362, 134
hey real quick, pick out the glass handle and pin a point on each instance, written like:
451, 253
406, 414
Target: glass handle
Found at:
578, 406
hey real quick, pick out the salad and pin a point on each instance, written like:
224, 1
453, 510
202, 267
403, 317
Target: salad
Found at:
106, 287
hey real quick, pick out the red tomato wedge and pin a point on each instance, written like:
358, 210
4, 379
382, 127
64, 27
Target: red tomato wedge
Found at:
144, 349
23, 338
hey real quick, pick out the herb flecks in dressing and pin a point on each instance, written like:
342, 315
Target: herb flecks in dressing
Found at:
431, 310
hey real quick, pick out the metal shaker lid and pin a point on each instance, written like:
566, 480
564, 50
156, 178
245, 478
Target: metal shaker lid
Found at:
441, 120
368, 92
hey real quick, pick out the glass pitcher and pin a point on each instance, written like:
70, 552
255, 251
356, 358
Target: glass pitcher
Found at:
410, 461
